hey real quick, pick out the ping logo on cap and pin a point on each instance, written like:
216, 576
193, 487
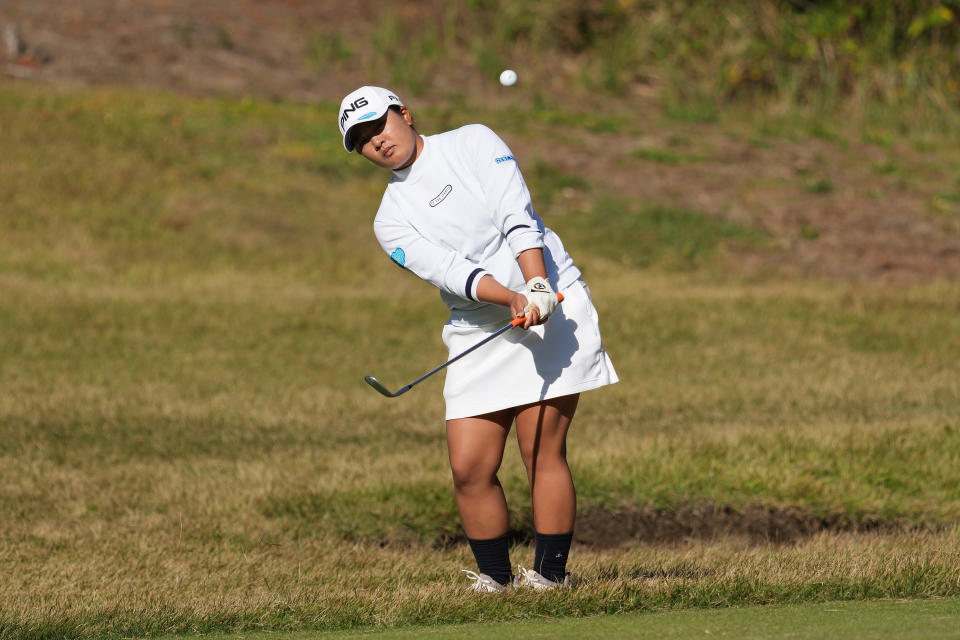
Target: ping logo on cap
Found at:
353, 106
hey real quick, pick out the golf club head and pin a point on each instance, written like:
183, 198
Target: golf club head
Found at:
376, 384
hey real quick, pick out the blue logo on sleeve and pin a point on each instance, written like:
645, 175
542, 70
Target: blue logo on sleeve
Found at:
501, 159
399, 256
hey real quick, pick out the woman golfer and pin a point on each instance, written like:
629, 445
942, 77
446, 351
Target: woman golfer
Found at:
457, 213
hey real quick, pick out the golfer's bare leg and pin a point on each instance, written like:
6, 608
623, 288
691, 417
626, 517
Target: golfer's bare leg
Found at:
542, 435
476, 446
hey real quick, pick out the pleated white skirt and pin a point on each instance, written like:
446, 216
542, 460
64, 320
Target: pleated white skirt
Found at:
563, 356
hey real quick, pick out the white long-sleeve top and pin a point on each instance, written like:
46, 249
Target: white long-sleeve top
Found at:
462, 211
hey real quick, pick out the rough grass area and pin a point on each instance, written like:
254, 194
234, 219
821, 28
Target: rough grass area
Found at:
190, 296
140, 578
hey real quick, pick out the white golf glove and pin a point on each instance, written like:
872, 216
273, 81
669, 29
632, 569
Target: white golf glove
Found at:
540, 295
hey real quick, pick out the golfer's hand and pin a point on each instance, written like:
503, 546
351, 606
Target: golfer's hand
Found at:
541, 300
518, 302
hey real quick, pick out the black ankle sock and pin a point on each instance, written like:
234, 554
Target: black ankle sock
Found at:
550, 560
493, 557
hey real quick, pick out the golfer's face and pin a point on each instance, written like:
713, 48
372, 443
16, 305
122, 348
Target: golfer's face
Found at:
389, 142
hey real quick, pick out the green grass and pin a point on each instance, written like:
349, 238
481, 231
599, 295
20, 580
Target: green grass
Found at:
665, 156
190, 294
872, 61
859, 621
663, 235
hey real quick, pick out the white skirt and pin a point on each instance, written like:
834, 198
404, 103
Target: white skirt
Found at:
563, 356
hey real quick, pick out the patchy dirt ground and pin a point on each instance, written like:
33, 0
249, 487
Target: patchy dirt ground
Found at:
248, 46
755, 524
837, 208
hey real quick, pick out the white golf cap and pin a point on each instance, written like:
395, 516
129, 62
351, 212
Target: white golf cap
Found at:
363, 105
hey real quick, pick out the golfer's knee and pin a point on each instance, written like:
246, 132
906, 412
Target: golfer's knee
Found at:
543, 457
471, 474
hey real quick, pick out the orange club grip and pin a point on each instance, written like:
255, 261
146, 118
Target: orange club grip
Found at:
519, 321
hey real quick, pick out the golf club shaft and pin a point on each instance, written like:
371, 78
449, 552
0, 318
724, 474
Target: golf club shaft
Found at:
516, 322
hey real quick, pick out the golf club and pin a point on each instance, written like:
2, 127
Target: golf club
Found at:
376, 384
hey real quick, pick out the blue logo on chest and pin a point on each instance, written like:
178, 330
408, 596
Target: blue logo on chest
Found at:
399, 256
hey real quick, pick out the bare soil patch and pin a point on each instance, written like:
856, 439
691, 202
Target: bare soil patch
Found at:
756, 524
254, 47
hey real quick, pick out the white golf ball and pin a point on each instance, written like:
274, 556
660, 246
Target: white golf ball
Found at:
508, 78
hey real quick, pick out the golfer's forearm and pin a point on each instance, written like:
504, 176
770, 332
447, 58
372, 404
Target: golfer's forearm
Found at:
489, 290
531, 264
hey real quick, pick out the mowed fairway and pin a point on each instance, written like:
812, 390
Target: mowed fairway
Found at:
903, 619
190, 296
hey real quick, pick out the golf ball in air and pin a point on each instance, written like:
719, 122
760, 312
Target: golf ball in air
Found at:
508, 78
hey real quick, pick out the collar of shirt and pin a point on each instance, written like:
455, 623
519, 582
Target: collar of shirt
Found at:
415, 170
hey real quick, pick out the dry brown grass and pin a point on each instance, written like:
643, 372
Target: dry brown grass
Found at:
186, 443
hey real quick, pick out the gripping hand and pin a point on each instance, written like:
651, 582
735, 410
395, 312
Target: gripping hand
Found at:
540, 295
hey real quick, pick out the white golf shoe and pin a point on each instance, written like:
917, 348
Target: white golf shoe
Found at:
482, 583
533, 580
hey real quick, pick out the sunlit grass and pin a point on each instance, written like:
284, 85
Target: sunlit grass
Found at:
185, 580
190, 295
